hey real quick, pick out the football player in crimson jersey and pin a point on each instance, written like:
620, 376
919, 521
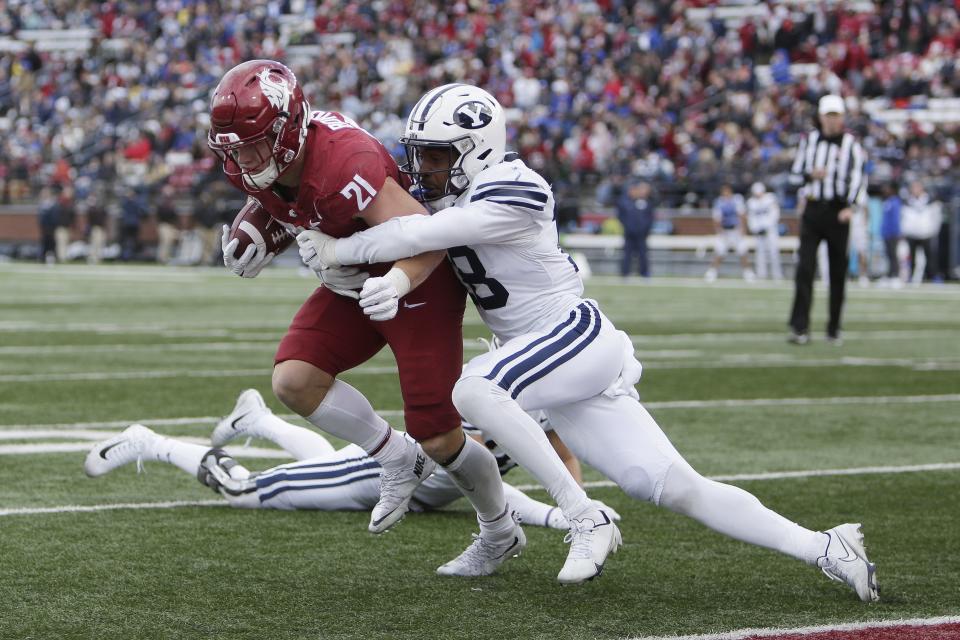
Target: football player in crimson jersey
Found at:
319, 170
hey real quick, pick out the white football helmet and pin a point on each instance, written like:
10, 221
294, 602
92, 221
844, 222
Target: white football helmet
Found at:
464, 119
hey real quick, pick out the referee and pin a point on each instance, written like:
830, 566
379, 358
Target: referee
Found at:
830, 163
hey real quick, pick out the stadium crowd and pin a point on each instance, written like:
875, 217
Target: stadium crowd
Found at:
597, 91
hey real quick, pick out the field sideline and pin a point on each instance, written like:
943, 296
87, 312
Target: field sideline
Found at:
865, 433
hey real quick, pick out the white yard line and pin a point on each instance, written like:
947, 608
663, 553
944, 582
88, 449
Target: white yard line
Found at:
588, 485
183, 373
788, 475
663, 405
74, 447
800, 402
769, 632
730, 361
780, 337
29, 511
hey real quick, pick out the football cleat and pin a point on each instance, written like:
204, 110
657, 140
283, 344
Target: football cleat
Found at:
397, 483
242, 420
592, 538
845, 560
482, 558
798, 338
124, 448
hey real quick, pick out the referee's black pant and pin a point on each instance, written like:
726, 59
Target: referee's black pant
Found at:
819, 222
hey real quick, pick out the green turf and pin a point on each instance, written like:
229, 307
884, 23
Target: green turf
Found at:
202, 572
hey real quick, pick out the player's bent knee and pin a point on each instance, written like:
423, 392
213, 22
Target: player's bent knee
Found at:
682, 489
300, 386
471, 395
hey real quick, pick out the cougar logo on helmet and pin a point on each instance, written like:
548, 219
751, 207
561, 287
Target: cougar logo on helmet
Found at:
276, 91
258, 122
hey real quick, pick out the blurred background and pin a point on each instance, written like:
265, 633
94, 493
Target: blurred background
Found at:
103, 111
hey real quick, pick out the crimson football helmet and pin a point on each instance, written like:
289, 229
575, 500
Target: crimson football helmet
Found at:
258, 122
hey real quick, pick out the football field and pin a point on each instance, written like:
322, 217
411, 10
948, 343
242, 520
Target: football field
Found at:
868, 432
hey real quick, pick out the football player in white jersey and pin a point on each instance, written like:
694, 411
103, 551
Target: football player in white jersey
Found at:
560, 353
323, 478
763, 221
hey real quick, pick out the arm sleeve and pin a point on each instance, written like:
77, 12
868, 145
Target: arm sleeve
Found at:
406, 236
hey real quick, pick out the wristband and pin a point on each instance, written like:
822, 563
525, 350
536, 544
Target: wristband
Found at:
400, 281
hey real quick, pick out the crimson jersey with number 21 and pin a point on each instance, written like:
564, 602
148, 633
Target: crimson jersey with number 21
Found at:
344, 169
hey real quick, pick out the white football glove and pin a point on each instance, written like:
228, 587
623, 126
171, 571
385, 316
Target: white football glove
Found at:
248, 265
380, 297
317, 250
343, 281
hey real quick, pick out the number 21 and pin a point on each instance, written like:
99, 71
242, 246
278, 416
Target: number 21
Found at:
356, 188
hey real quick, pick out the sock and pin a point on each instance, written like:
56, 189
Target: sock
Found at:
298, 442
347, 414
500, 417
184, 455
474, 470
736, 513
533, 512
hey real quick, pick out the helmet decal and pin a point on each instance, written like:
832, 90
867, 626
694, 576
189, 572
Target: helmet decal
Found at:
473, 115
276, 91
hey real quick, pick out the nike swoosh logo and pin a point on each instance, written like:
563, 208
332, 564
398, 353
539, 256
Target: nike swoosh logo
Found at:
103, 452
233, 424
414, 305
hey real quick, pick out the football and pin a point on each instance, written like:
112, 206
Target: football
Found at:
254, 225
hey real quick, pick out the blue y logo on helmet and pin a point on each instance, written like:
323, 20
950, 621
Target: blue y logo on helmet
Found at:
473, 115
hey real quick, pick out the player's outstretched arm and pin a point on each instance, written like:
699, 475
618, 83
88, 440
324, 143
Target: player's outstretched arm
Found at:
392, 201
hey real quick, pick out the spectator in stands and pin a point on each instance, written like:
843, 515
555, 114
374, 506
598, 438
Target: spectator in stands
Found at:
167, 225
920, 224
48, 217
890, 232
66, 217
729, 222
132, 212
636, 211
96, 210
763, 221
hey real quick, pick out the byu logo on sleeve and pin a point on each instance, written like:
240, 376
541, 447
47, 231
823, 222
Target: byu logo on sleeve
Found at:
473, 115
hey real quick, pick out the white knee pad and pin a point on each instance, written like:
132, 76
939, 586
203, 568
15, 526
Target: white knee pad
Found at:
683, 488
637, 483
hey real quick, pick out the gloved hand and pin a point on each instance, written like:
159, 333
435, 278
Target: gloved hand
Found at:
380, 297
344, 281
247, 265
317, 250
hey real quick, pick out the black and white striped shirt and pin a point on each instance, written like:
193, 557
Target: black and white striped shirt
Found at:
842, 158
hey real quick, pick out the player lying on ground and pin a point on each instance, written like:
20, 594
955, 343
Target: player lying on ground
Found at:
319, 170
560, 353
323, 478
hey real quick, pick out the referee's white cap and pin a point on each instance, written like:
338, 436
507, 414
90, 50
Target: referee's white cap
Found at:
831, 104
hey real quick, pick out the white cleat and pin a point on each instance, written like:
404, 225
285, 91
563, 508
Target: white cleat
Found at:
845, 560
482, 558
592, 538
124, 448
240, 421
397, 483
